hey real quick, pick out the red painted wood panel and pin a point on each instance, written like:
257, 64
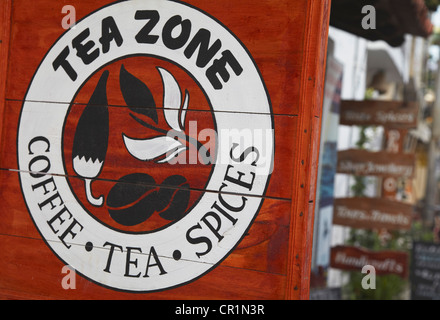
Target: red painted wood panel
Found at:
263, 250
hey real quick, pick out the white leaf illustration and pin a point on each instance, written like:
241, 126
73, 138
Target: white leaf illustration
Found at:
172, 99
149, 149
184, 108
172, 154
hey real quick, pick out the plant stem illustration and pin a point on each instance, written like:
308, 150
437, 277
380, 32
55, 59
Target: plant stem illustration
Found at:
91, 139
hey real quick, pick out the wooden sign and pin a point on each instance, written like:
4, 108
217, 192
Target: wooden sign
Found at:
384, 262
425, 271
394, 114
367, 163
160, 149
372, 213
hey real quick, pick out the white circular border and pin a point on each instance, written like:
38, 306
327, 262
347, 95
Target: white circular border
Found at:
245, 93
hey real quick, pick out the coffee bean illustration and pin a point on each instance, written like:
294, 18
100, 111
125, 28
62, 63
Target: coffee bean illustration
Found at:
173, 198
131, 200
135, 198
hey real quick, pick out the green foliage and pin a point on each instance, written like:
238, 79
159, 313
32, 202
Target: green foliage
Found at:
432, 4
359, 185
388, 287
421, 232
363, 138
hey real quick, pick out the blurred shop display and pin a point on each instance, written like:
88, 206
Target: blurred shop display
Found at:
387, 164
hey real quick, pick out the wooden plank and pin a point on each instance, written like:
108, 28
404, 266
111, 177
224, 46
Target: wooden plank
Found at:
372, 213
263, 249
5, 24
312, 80
269, 229
380, 163
62, 172
278, 55
384, 262
391, 114
37, 274
285, 131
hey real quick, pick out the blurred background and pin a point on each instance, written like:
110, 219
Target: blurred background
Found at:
377, 215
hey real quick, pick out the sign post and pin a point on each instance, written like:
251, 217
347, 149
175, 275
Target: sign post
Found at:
392, 165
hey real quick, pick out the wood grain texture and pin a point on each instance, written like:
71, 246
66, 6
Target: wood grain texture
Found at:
372, 213
5, 18
384, 262
285, 126
312, 79
268, 38
42, 278
262, 252
391, 114
287, 41
379, 163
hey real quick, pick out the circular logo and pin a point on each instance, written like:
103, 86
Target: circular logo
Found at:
145, 145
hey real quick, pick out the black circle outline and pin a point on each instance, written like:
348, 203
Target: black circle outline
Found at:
267, 181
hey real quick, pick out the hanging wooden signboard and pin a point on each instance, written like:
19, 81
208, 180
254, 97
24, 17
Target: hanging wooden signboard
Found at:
159, 149
396, 114
372, 213
380, 163
384, 262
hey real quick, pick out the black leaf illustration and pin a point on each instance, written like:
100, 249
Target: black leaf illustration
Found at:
136, 94
91, 138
